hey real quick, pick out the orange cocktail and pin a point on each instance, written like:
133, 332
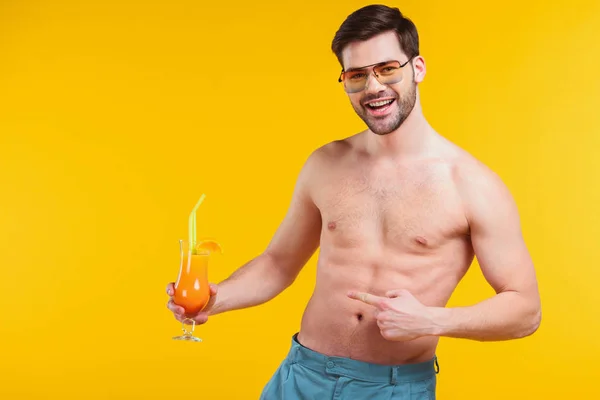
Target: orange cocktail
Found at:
191, 288
192, 291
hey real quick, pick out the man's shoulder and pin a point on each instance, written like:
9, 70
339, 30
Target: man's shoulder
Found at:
480, 187
333, 151
469, 173
339, 147
465, 168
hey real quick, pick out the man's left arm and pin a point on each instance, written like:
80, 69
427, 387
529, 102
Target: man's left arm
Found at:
495, 229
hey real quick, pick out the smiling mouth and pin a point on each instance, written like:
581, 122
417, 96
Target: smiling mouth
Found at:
379, 105
379, 108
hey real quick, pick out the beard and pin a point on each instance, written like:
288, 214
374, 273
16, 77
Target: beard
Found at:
389, 123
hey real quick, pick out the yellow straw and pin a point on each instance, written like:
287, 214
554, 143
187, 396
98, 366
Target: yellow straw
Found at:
192, 225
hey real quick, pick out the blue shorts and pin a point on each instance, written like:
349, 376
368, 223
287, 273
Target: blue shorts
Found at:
307, 375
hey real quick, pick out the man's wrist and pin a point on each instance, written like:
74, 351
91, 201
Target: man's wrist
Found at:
440, 320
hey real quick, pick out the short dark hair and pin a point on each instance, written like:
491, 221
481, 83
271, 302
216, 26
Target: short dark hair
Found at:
372, 20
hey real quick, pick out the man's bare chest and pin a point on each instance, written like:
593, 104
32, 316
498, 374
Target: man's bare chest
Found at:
415, 210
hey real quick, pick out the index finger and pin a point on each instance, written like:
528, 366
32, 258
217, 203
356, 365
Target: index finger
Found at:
365, 298
170, 288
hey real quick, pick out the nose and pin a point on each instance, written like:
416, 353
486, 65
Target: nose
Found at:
373, 85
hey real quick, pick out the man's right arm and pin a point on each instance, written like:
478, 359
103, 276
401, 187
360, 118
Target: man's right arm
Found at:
271, 272
292, 245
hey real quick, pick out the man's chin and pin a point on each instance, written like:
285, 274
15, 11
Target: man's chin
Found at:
382, 128
382, 132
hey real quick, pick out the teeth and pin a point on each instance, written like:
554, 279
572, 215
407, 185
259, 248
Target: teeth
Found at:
380, 103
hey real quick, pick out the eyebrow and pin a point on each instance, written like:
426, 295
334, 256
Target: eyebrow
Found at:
366, 66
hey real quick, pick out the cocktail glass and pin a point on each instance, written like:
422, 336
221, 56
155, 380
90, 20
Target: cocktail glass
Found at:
192, 291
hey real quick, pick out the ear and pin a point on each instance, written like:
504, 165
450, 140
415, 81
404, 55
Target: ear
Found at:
419, 69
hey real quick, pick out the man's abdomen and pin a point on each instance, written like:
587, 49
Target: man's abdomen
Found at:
336, 325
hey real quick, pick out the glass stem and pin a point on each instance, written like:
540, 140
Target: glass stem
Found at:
184, 328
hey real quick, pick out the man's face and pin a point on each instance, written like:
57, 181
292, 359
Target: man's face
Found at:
383, 107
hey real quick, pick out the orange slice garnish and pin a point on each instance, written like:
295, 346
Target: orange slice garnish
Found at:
208, 246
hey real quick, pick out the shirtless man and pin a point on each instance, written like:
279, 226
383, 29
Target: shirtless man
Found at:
399, 213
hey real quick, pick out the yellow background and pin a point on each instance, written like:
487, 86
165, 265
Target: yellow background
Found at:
116, 115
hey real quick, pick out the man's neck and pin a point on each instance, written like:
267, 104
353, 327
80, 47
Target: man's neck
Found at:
411, 139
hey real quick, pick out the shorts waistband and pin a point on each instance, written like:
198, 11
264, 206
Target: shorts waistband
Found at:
359, 369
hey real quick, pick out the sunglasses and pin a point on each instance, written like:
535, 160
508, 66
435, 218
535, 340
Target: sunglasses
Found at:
386, 73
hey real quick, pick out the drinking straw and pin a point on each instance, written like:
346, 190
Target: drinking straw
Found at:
192, 225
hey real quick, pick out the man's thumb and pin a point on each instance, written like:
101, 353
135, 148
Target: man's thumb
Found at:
213, 289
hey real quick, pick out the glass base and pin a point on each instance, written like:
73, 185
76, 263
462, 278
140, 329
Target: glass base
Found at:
187, 338
188, 335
